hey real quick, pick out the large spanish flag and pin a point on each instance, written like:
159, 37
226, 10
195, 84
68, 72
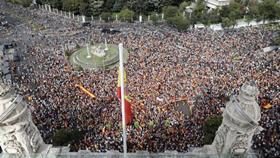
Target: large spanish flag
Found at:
127, 101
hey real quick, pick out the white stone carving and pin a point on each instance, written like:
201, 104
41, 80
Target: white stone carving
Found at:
240, 123
18, 134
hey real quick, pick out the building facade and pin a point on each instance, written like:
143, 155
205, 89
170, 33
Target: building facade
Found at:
213, 4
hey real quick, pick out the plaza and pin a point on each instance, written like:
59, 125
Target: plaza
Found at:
198, 68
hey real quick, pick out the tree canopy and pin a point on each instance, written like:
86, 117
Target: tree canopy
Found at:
174, 10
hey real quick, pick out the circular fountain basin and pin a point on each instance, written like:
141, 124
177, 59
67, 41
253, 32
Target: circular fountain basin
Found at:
97, 58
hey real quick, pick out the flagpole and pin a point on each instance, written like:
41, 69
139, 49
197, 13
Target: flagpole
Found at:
122, 100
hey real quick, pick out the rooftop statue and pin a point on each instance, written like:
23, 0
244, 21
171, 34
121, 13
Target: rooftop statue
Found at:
18, 134
240, 123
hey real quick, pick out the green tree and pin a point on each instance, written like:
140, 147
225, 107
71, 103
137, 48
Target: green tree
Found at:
65, 136
170, 11
210, 127
183, 6
95, 7
224, 12
252, 12
214, 16
25, 3
118, 5
108, 5
269, 10
199, 12
179, 22
83, 9
72, 5
55, 3
155, 18
236, 10
106, 16
126, 15
154, 5
137, 6
227, 22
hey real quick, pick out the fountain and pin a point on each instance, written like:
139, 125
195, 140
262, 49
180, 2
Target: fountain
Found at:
88, 52
106, 45
97, 51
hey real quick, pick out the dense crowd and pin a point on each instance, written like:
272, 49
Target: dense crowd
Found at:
201, 67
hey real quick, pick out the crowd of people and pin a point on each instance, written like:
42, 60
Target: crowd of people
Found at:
202, 68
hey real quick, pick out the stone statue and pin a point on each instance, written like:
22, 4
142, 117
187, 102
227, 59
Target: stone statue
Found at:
18, 134
240, 123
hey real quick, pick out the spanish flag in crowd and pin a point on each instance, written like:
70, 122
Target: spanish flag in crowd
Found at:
127, 101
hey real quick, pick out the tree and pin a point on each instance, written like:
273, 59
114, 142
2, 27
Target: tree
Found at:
106, 16
269, 10
108, 5
183, 6
236, 10
95, 7
210, 127
155, 18
154, 5
65, 136
199, 12
83, 9
138, 6
25, 3
252, 12
227, 22
72, 5
118, 5
179, 22
55, 3
224, 12
170, 11
214, 16
126, 15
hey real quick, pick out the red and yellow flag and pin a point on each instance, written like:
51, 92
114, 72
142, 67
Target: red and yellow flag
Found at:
85, 91
127, 101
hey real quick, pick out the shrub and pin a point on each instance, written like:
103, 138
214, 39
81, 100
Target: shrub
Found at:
210, 127
65, 136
